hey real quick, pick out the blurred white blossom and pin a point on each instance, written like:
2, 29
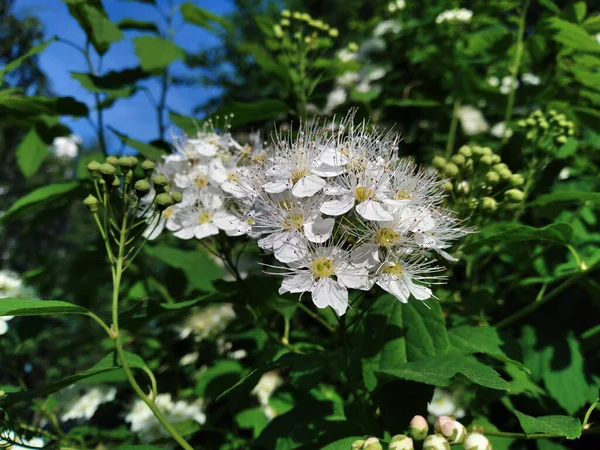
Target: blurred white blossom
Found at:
387, 26
499, 129
208, 321
265, 387
85, 406
12, 286
530, 78
454, 15
445, 403
472, 120
66, 146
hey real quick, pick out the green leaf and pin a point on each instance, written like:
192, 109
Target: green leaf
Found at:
569, 148
439, 371
31, 153
509, 232
37, 198
24, 307
343, 444
253, 418
566, 426
137, 25
13, 102
188, 124
17, 62
203, 18
550, 5
196, 265
261, 110
412, 103
566, 196
156, 53
94, 21
147, 150
213, 381
397, 333
573, 36
117, 83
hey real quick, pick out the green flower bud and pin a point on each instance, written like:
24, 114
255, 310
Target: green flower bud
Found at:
353, 46
561, 140
499, 167
125, 164
148, 167
92, 203
133, 161
142, 187
435, 442
177, 196
160, 182
116, 183
522, 123
372, 444
514, 196
401, 442
334, 32
492, 178
451, 170
439, 162
495, 158
448, 187
107, 171
94, 169
486, 160
418, 428
489, 204
505, 174
516, 180
163, 201
487, 151
463, 187
286, 13
356, 445
465, 150
459, 160
284, 22
531, 122
112, 160
543, 124
477, 150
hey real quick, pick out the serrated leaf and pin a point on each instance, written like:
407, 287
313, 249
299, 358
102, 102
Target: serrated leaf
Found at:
17, 62
573, 36
244, 113
147, 150
13, 102
24, 307
440, 370
509, 232
566, 426
117, 83
37, 198
203, 18
31, 153
156, 53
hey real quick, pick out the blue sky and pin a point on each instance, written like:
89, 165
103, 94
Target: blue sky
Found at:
133, 116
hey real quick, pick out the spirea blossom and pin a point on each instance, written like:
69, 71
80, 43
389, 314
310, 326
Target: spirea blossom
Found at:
207, 322
454, 15
263, 390
85, 406
472, 120
66, 146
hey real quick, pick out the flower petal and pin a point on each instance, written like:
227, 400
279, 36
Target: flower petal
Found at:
301, 282
354, 277
372, 210
319, 230
394, 286
337, 207
289, 246
308, 186
185, 233
205, 230
274, 187
330, 293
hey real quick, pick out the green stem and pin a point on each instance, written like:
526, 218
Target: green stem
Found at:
117, 272
453, 129
589, 413
515, 70
315, 316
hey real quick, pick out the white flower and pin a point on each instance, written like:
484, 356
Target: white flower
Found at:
454, 15
386, 26
499, 129
405, 277
66, 146
335, 98
396, 6
376, 74
347, 79
530, 78
444, 403
346, 55
203, 219
209, 321
493, 81
509, 84
472, 120
85, 407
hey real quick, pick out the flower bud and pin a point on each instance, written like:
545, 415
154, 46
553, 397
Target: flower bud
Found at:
450, 170
148, 167
505, 174
514, 195
516, 180
142, 187
160, 182
486, 160
495, 158
477, 441
177, 196
92, 203
492, 178
438, 162
452, 430
125, 164
459, 160
477, 150
522, 123
463, 187
418, 428
353, 46
94, 169
561, 140
358, 444
133, 162
163, 201
372, 444
401, 442
465, 150
489, 204
107, 171
499, 167
334, 32
448, 186
435, 442
116, 183
112, 160
486, 151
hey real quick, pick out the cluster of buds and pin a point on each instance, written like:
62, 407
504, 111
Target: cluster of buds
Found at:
447, 432
302, 26
552, 129
480, 182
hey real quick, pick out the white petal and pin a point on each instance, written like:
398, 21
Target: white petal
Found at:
419, 292
372, 210
185, 233
337, 207
354, 278
3, 326
335, 189
394, 286
226, 221
332, 156
301, 282
277, 186
447, 255
319, 230
234, 189
425, 240
330, 293
217, 171
365, 255
308, 186
267, 241
205, 230
289, 246
154, 228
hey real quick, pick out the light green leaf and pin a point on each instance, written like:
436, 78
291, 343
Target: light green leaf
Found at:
253, 418
440, 370
31, 153
550, 5
566, 196
137, 25
573, 36
253, 112
118, 83
38, 198
509, 232
203, 18
196, 265
17, 62
156, 53
592, 24
189, 125
569, 148
566, 426
147, 150
24, 307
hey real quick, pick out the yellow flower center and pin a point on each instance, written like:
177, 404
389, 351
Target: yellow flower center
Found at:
322, 268
233, 177
386, 237
259, 159
363, 193
286, 205
402, 195
246, 150
167, 213
201, 181
294, 221
299, 173
358, 165
204, 217
394, 269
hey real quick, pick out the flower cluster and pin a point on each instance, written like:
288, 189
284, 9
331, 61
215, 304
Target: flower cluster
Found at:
207, 322
148, 428
85, 406
66, 146
296, 22
472, 120
456, 15
263, 390
548, 130
10, 440
509, 83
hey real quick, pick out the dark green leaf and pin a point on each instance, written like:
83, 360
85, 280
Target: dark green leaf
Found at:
188, 125
118, 84
15, 103
253, 112
156, 53
138, 25
213, 381
17, 62
573, 36
202, 17
147, 150
31, 153
570, 148
508, 232
24, 307
566, 196
566, 426
412, 103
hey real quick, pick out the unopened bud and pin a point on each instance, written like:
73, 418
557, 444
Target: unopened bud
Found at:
477, 441
561, 140
452, 430
148, 167
116, 183
435, 442
372, 444
92, 203
112, 160
463, 187
439, 162
177, 196
495, 158
486, 160
125, 164
107, 171
465, 150
163, 201
94, 169
505, 174
486, 151
401, 442
499, 167
448, 187
160, 182
516, 180
522, 123
142, 187
356, 445
477, 150
492, 178
489, 204
451, 170
418, 428
133, 161
514, 195
459, 160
